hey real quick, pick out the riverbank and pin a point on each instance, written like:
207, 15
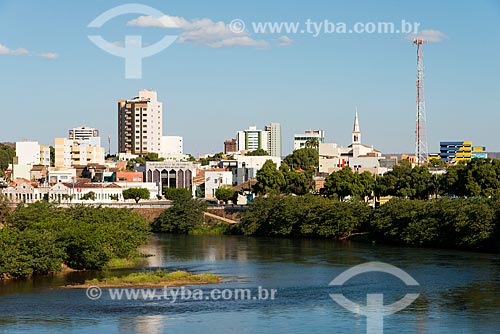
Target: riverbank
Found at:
461, 223
158, 278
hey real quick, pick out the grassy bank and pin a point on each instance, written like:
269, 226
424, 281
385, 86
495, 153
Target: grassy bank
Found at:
158, 278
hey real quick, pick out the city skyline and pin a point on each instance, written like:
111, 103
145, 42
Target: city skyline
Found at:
326, 77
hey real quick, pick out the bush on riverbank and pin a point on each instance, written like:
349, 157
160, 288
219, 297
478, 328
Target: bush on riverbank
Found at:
38, 238
310, 216
183, 216
472, 223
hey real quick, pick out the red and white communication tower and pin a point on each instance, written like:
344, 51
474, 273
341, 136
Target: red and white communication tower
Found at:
421, 143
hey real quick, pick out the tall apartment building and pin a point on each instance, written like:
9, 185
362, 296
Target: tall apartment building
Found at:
300, 140
252, 139
274, 139
140, 124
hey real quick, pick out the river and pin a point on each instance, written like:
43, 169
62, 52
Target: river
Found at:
459, 292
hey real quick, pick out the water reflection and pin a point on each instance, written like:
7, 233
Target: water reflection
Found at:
458, 291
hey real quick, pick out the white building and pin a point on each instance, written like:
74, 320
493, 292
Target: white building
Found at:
28, 153
84, 133
171, 146
252, 139
140, 124
300, 140
358, 156
256, 161
274, 139
215, 180
61, 174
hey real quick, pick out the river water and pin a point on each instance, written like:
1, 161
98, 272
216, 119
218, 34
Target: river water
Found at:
459, 292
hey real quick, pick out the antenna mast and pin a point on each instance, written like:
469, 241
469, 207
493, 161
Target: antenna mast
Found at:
421, 142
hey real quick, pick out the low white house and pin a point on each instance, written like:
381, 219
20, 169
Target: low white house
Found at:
215, 180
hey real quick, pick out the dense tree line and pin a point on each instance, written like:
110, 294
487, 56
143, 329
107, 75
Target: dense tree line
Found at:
479, 177
39, 238
472, 223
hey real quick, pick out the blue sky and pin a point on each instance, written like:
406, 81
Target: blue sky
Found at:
53, 78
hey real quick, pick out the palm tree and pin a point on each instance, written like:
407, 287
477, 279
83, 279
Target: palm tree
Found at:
312, 143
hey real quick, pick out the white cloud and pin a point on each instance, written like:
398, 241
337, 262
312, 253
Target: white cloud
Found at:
23, 52
284, 41
237, 41
432, 36
164, 21
49, 55
201, 31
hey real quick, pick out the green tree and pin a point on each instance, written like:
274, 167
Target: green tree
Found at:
257, 152
7, 153
52, 156
90, 196
177, 194
345, 182
421, 183
181, 217
269, 179
437, 163
298, 183
304, 158
153, 157
226, 194
312, 143
39, 237
131, 163
4, 210
136, 194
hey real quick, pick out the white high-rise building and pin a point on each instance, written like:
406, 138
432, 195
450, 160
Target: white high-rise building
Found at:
140, 124
300, 140
274, 139
252, 139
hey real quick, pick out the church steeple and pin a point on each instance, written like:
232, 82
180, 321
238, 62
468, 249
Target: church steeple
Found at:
356, 133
